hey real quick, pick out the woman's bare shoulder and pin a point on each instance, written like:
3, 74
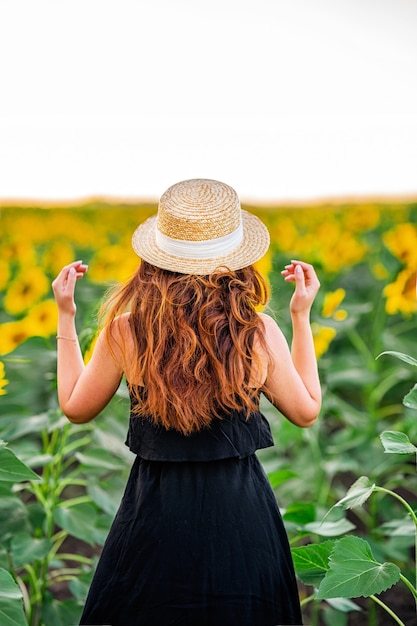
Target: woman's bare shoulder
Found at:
274, 344
267, 319
119, 336
269, 325
120, 326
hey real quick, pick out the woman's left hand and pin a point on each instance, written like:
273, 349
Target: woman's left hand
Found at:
306, 285
64, 286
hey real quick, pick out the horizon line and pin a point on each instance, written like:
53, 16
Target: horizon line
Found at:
249, 201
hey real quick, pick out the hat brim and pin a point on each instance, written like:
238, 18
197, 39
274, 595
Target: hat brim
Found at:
254, 245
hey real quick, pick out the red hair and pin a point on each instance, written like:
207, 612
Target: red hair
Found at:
193, 342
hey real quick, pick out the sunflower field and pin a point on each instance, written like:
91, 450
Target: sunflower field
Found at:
347, 487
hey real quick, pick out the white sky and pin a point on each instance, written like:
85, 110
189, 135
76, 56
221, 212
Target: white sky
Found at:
282, 99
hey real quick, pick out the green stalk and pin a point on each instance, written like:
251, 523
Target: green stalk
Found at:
34, 595
66, 482
67, 577
400, 499
25, 595
78, 443
388, 610
78, 558
409, 585
47, 496
308, 599
59, 537
78, 500
58, 453
37, 491
68, 572
414, 518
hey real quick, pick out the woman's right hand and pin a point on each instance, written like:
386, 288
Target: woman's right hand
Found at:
64, 286
306, 285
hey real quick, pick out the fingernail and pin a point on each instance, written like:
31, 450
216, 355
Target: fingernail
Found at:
298, 269
72, 271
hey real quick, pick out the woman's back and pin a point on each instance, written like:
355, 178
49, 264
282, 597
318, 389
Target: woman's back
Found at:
192, 343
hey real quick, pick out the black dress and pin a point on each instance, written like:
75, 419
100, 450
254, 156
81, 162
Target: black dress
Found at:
198, 539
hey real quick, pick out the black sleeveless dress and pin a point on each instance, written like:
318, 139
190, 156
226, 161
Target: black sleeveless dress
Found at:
198, 539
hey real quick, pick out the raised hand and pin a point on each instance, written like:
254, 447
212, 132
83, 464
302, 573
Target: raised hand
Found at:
306, 285
64, 286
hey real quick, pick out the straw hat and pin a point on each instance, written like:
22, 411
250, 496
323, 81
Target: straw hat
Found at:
200, 227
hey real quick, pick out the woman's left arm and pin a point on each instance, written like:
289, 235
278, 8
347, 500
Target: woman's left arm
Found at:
83, 390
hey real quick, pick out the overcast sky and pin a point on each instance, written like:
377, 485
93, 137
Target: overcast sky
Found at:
282, 99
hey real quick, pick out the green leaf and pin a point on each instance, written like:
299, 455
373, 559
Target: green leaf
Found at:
400, 355
395, 442
100, 459
61, 612
26, 549
101, 529
78, 521
38, 460
12, 469
399, 527
80, 585
56, 420
108, 494
330, 529
4, 558
343, 604
8, 586
410, 400
11, 605
357, 494
278, 477
300, 513
12, 613
13, 517
311, 562
30, 370
21, 427
353, 571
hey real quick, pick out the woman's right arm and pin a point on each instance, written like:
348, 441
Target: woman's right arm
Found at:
83, 390
292, 383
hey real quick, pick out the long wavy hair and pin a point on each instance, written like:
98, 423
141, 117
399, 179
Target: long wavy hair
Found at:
193, 343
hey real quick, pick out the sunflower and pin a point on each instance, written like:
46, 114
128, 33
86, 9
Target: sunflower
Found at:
402, 242
42, 319
322, 337
12, 334
26, 289
401, 294
332, 300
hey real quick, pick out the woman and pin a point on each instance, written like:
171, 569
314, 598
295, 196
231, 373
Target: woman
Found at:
198, 538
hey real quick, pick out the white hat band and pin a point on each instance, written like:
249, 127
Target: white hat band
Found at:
207, 249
